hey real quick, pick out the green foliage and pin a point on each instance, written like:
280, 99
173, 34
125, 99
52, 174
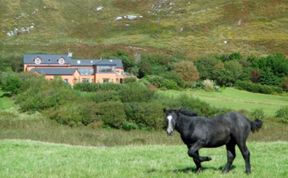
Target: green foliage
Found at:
161, 82
45, 94
135, 92
74, 113
112, 113
187, 71
145, 114
103, 96
230, 57
257, 88
282, 113
130, 80
272, 68
11, 63
10, 82
284, 83
188, 102
130, 126
89, 87
258, 114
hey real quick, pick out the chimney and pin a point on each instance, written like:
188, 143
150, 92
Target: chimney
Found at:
70, 54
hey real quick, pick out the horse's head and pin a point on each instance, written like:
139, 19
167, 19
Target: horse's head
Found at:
170, 119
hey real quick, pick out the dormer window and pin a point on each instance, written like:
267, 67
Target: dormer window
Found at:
61, 61
37, 61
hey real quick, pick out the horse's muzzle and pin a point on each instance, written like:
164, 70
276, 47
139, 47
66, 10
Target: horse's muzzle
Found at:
169, 132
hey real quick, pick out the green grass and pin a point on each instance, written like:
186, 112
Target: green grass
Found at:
236, 99
5, 102
38, 159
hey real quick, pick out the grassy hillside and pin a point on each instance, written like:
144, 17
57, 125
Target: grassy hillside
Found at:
38, 159
236, 99
193, 28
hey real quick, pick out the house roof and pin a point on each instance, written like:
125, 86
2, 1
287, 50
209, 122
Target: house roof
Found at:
97, 62
53, 59
55, 71
46, 58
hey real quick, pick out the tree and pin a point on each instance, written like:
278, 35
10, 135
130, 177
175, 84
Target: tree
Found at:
187, 71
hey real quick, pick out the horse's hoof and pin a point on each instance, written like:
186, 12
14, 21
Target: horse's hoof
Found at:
199, 170
224, 171
248, 172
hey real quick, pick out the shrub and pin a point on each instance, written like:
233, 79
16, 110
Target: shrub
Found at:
130, 80
10, 82
257, 88
208, 85
112, 114
135, 92
73, 113
282, 113
188, 102
103, 96
43, 94
89, 87
187, 71
161, 82
130, 126
145, 115
285, 83
258, 114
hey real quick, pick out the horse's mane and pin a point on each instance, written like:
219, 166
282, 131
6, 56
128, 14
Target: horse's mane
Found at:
187, 112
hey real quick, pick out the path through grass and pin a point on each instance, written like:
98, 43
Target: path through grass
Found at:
38, 159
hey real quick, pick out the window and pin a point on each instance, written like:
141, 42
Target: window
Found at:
61, 61
37, 61
86, 71
105, 69
86, 80
105, 80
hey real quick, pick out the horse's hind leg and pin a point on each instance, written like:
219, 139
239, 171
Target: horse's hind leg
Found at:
230, 147
246, 155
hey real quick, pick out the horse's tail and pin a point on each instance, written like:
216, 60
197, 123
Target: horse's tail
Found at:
256, 125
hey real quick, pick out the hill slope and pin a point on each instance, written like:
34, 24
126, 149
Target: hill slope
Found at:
194, 28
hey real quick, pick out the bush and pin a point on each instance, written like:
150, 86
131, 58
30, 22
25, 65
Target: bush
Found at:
188, 102
257, 88
130, 80
208, 85
145, 115
43, 94
74, 113
282, 113
112, 114
130, 126
10, 82
161, 82
258, 114
103, 96
187, 71
135, 92
90, 87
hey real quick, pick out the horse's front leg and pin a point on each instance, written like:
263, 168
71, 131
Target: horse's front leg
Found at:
193, 152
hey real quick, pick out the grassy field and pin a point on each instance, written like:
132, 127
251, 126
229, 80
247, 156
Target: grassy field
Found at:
193, 28
236, 99
5, 102
38, 159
